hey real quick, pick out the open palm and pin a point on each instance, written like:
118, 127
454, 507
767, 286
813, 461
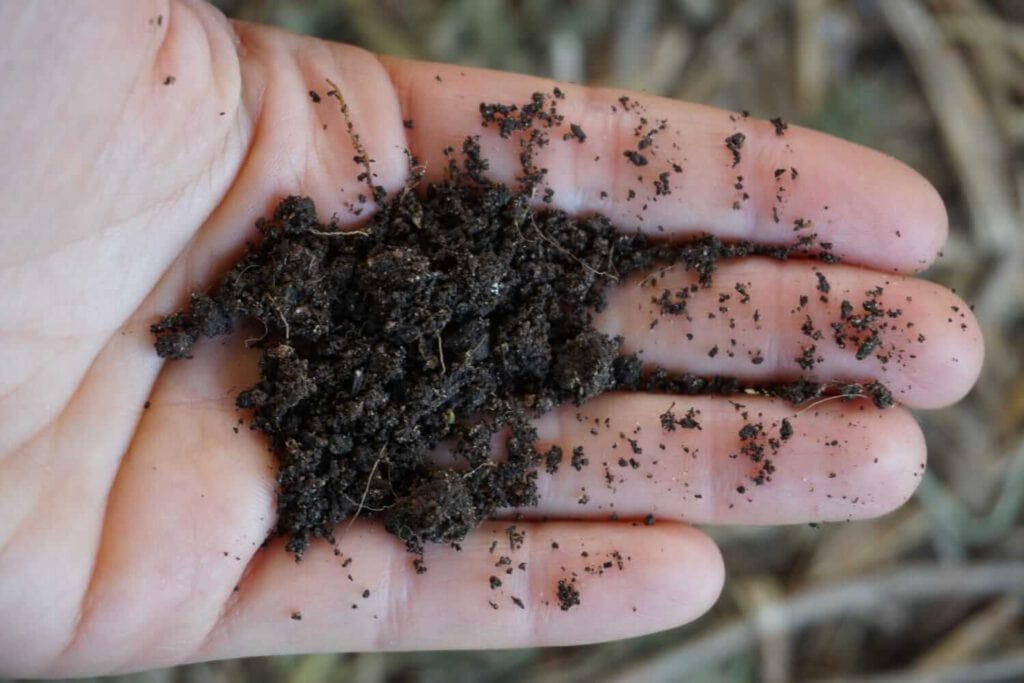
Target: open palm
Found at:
141, 140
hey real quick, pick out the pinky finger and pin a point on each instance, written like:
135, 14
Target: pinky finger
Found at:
540, 584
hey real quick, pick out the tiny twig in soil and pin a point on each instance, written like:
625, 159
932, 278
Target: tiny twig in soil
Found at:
440, 354
339, 233
361, 158
485, 463
817, 403
366, 491
571, 255
255, 340
287, 327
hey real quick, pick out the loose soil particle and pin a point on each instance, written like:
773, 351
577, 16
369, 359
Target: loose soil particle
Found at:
575, 132
780, 125
568, 595
636, 158
457, 313
734, 143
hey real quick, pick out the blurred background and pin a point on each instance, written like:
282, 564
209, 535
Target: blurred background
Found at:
933, 592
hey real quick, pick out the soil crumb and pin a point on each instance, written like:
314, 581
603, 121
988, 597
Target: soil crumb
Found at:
734, 143
568, 594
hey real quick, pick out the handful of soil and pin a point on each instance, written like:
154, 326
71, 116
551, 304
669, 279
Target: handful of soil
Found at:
453, 317
448, 318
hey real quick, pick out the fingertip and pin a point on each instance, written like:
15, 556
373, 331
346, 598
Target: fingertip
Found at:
927, 221
876, 473
704, 573
895, 472
673, 574
876, 210
877, 469
947, 370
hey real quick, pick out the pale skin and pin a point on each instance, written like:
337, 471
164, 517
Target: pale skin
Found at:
125, 531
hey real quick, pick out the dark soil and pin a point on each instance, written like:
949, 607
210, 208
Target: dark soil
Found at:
457, 314
780, 125
734, 143
568, 594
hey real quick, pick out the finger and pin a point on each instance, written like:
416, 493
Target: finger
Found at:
844, 460
631, 581
768, 321
875, 210
880, 213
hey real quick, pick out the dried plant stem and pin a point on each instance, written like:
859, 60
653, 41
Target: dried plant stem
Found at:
862, 597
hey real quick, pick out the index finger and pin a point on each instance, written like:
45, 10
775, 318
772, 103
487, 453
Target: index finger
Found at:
873, 210
771, 184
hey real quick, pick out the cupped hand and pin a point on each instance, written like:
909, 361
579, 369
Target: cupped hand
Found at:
140, 142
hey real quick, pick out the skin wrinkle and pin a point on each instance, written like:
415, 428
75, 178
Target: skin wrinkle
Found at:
403, 100
594, 126
400, 105
252, 108
60, 410
76, 241
391, 93
577, 179
109, 141
314, 157
544, 480
386, 162
73, 388
712, 478
184, 651
228, 608
228, 603
145, 63
536, 618
86, 606
614, 142
396, 591
771, 347
751, 209
766, 150
27, 447
230, 86
86, 603
76, 628
110, 227
33, 373
16, 527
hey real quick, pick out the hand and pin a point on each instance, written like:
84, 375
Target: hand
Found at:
141, 141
